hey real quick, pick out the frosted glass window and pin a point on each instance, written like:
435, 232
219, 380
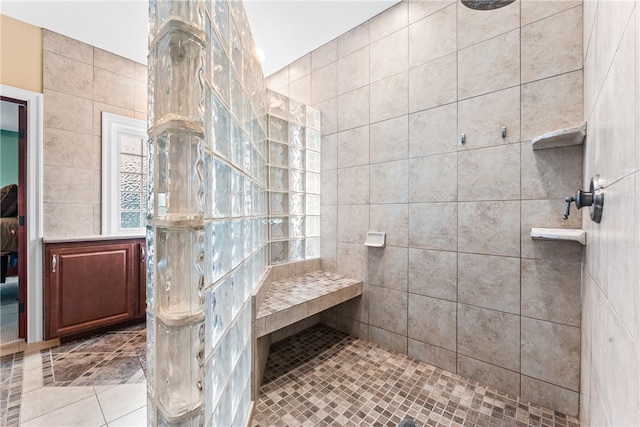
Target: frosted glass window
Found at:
124, 172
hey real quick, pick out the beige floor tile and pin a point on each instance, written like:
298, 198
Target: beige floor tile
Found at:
122, 400
32, 372
83, 413
45, 400
137, 418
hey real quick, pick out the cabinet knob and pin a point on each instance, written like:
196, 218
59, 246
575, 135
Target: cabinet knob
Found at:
54, 262
142, 254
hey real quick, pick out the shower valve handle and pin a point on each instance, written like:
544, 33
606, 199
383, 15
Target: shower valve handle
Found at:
581, 199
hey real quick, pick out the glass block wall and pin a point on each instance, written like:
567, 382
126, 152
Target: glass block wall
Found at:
294, 180
207, 211
210, 165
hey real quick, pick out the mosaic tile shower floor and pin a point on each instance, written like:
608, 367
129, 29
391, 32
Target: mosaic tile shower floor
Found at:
322, 377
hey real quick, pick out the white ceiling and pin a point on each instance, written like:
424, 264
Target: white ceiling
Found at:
284, 29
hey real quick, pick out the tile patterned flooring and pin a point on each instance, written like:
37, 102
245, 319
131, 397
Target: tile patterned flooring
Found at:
318, 377
322, 377
92, 382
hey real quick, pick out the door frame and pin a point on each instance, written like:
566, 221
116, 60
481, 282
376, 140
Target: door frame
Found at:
35, 324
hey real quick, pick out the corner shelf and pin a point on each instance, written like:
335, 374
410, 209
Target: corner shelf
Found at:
561, 138
568, 234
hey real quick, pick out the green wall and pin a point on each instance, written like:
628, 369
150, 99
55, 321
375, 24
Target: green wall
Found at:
8, 157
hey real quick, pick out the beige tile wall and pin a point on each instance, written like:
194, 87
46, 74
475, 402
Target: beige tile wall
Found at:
80, 82
610, 380
460, 284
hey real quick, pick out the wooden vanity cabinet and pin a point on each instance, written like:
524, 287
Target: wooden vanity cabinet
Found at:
92, 284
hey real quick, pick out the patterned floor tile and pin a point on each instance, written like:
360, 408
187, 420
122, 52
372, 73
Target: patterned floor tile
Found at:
322, 377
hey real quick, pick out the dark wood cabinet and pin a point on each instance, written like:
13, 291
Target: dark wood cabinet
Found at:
93, 284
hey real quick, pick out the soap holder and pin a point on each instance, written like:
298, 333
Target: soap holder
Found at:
375, 239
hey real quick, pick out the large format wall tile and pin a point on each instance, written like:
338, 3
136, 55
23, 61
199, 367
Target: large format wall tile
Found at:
433, 273
490, 336
353, 71
550, 291
552, 46
492, 375
566, 401
353, 223
388, 309
489, 281
551, 174
393, 219
432, 321
65, 75
324, 55
534, 10
67, 148
489, 66
324, 83
551, 104
114, 63
432, 37
433, 226
433, 131
480, 179
440, 172
68, 112
433, 84
436, 356
353, 109
353, 185
353, 40
67, 47
353, 147
475, 26
389, 140
387, 339
393, 19
481, 119
422, 9
389, 56
551, 352
113, 89
389, 97
388, 267
491, 228
388, 182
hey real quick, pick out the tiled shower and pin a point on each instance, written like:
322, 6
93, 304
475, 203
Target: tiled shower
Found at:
460, 284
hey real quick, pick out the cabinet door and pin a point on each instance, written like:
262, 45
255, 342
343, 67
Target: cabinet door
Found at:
89, 286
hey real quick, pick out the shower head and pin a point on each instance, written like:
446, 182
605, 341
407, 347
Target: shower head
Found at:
486, 4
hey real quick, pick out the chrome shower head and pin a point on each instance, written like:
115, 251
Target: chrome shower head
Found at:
486, 4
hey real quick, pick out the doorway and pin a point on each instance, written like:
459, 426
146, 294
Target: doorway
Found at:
13, 226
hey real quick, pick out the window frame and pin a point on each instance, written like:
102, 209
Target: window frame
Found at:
113, 127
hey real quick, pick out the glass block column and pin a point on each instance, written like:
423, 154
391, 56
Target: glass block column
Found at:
207, 211
294, 180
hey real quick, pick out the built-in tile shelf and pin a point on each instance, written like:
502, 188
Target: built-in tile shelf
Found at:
561, 138
568, 234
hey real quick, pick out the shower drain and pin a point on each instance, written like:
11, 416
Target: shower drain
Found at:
408, 423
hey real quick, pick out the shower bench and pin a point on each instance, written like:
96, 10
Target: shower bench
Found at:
293, 299
289, 299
